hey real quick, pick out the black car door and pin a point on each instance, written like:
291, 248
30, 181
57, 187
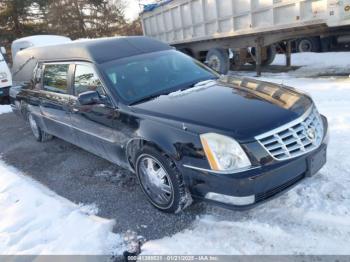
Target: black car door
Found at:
94, 125
54, 100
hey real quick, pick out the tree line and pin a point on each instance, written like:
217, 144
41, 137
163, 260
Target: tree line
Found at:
73, 18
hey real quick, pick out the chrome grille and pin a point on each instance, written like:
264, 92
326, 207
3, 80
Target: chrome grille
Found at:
295, 138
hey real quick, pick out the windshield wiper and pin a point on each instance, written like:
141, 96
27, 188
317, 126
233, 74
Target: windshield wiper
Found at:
204, 82
147, 98
187, 86
197, 84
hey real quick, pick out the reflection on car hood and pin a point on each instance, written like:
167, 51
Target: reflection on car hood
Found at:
243, 108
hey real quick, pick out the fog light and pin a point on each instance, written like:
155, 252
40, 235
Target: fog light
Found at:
232, 200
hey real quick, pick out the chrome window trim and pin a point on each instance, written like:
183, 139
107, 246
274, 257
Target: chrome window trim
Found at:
221, 172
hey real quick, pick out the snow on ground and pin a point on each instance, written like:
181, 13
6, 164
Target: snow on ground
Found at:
5, 109
314, 217
314, 64
34, 220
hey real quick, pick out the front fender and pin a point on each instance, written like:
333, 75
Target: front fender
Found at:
177, 143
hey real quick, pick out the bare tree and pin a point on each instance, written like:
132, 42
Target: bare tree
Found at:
84, 18
73, 18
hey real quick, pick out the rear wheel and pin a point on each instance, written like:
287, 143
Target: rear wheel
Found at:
219, 60
161, 181
38, 133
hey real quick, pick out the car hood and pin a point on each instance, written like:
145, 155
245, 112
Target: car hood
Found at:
242, 108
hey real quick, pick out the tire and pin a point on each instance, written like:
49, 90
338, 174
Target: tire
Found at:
174, 195
311, 44
218, 59
38, 133
271, 54
4, 100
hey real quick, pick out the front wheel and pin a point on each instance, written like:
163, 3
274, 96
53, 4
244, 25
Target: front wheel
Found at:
161, 181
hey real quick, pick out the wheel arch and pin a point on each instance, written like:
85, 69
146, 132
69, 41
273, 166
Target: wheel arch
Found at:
176, 143
135, 144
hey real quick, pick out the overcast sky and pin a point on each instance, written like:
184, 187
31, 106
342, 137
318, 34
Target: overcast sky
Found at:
133, 8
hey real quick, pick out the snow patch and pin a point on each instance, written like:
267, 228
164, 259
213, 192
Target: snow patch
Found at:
34, 220
315, 64
5, 109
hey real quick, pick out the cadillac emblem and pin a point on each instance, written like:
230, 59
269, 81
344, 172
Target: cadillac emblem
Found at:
311, 133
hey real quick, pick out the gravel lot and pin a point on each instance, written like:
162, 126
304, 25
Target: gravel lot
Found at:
84, 178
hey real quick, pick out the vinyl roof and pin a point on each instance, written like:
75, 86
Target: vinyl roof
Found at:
98, 50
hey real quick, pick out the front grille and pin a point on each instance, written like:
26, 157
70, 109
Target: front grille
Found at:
278, 189
295, 138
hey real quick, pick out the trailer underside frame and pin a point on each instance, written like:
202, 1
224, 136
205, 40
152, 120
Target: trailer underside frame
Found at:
262, 40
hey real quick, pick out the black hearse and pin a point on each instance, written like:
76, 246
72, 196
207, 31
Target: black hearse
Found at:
187, 132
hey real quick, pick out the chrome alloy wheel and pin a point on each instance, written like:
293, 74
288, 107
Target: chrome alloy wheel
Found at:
34, 126
155, 181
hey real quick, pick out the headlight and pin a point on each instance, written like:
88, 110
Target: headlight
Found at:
3, 75
223, 153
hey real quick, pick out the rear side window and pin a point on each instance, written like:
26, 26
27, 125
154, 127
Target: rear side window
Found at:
86, 79
55, 78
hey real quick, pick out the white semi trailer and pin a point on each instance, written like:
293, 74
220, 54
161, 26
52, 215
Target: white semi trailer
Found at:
228, 33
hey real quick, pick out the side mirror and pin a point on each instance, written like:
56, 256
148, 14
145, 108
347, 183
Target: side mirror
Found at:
3, 50
89, 98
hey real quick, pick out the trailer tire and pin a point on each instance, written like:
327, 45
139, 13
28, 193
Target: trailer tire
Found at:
218, 59
271, 54
311, 44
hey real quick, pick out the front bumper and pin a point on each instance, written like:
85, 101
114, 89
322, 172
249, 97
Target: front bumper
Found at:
249, 188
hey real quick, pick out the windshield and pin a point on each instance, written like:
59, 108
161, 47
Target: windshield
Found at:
149, 75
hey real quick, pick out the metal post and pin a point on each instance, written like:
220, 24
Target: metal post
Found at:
288, 54
258, 54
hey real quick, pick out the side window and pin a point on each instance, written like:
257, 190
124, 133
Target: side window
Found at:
55, 78
85, 79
